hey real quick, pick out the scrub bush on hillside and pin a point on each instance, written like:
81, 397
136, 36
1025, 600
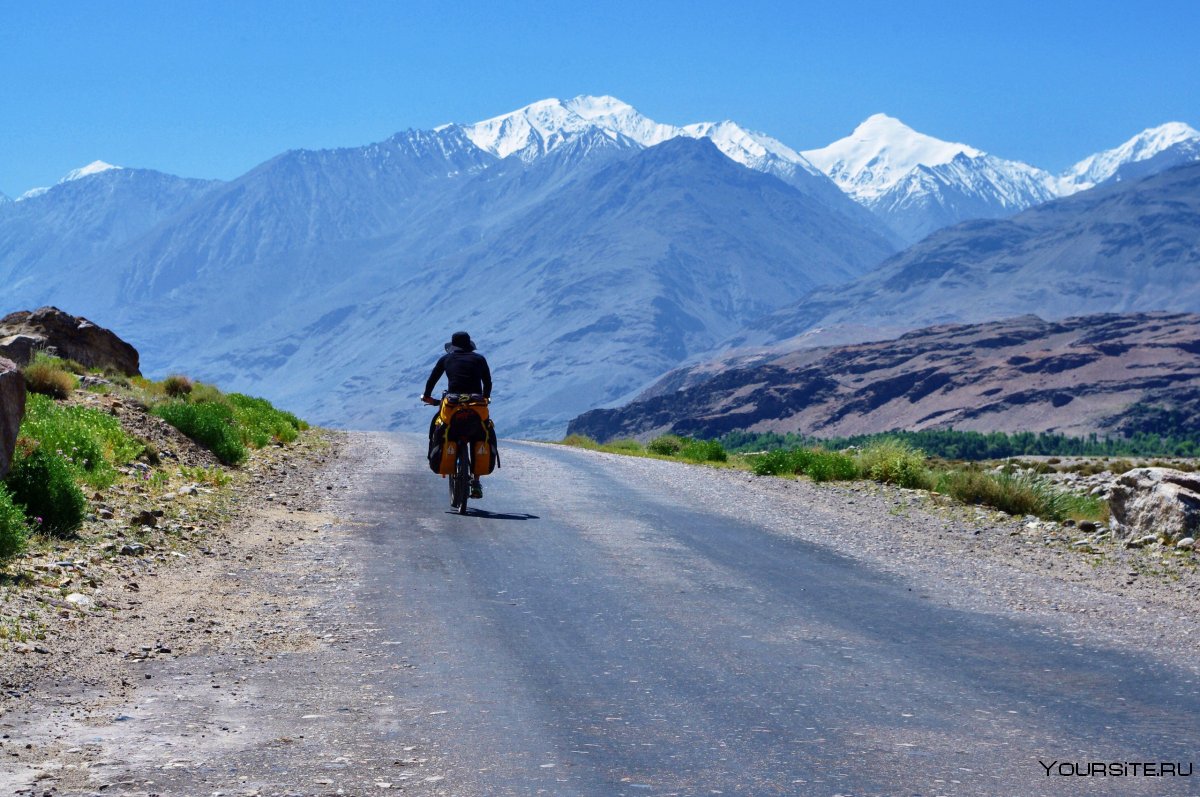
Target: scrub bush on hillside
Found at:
43, 485
209, 423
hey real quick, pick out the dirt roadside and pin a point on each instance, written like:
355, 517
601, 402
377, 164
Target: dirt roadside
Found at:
235, 570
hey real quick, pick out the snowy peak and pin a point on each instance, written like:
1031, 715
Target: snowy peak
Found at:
535, 130
879, 153
1095, 169
544, 126
95, 167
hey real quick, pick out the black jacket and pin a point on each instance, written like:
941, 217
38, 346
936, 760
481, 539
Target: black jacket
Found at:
466, 371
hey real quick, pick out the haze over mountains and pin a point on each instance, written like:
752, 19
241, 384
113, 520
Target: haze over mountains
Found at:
588, 248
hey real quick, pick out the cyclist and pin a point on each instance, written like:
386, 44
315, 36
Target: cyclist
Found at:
466, 371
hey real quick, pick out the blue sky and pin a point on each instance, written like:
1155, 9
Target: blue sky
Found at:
210, 89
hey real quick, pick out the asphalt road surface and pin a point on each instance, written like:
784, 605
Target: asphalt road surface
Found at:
603, 626
586, 631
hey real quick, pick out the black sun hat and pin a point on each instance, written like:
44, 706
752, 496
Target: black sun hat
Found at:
461, 341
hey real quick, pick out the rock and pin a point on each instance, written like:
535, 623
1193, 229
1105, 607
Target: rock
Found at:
79, 599
1161, 502
1088, 525
1186, 544
133, 549
144, 518
65, 335
12, 410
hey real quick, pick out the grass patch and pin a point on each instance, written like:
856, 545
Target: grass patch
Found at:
816, 463
209, 423
260, 422
49, 376
894, 461
667, 445
1019, 494
91, 442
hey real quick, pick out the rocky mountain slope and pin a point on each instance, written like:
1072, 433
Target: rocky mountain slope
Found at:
584, 272
1076, 376
1127, 246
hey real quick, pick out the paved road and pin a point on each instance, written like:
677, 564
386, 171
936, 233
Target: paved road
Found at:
592, 634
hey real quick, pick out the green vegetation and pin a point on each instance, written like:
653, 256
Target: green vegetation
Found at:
261, 423
702, 451
13, 527
49, 376
976, 446
177, 385
1023, 494
209, 423
91, 442
229, 424
889, 459
64, 446
43, 484
666, 445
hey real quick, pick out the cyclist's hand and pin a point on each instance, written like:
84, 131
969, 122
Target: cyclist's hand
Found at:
429, 400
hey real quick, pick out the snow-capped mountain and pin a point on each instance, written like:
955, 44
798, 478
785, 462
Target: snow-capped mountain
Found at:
95, 167
1146, 145
328, 280
917, 183
542, 127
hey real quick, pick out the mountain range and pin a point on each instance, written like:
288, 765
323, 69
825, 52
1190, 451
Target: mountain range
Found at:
588, 248
1106, 374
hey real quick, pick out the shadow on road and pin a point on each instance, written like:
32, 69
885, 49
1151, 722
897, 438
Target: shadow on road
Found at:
486, 515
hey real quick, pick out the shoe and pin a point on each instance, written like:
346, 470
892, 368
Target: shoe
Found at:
476, 489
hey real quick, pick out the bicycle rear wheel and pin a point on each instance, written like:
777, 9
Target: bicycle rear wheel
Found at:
460, 482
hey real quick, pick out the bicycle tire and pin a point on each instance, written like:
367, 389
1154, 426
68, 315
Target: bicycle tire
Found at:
462, 480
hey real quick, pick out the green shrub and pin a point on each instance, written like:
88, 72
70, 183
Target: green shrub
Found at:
205, 392
817, 463
667, 445
624, 446
43, 485
896, 462
580, 441
703, 451
773, 463
177, 385
49, 376
90, 441
1024, 494
13, 528
209, 423
824, 466
260, 422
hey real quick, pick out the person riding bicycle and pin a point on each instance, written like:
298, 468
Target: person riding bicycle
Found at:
466, 371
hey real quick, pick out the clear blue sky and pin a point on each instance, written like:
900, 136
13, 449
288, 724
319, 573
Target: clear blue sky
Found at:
210, 89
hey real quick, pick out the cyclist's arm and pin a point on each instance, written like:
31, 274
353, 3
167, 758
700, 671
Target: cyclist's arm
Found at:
487, 379
438, 369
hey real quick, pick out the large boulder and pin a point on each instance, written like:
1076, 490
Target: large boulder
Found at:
64, 335
12, 409
1156, 501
